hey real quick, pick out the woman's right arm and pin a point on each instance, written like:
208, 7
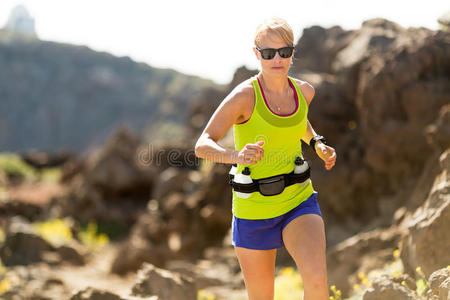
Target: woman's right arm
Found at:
229, 112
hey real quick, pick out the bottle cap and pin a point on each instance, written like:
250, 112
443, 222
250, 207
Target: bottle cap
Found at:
299, 161
246, 171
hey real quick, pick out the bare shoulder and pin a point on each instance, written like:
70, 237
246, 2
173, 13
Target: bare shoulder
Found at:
243, 91
242, 99
306, 88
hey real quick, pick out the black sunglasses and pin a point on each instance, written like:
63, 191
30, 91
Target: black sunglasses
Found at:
269, 53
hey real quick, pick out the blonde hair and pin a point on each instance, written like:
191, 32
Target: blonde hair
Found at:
277, 26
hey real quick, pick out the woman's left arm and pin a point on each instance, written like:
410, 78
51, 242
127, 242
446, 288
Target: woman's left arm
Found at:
325, 152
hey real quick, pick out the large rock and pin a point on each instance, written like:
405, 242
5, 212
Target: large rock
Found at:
147, 243
428, 240
165, 284
385, 288
317, 48
194, 215
22, 245
373, 249
113, 185
170, 180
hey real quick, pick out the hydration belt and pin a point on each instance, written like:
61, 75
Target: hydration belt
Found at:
272, 185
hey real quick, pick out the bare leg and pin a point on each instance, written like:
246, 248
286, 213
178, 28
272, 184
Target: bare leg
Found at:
304, 239
258, 267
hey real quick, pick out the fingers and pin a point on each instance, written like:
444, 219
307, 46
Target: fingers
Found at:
251, 154
330, 162
255, 148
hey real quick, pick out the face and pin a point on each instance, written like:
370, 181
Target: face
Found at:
276, 65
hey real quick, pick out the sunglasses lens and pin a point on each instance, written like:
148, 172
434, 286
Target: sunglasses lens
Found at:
285, 52
268, 53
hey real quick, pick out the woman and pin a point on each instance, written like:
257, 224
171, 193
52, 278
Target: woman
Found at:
268, 113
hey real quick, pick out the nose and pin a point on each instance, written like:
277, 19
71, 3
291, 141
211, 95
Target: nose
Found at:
277, 56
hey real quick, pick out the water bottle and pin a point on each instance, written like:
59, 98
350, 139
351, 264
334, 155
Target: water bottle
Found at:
233, 170
301, 166
232, 173
243, 177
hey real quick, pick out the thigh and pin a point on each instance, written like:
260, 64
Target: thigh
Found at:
304, 239
258, 267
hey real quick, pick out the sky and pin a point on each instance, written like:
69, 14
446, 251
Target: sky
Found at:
207, 38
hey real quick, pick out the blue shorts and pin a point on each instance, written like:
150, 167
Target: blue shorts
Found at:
266, 234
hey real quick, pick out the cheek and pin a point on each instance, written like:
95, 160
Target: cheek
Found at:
265, 63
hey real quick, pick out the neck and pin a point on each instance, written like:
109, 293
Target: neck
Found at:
274, 84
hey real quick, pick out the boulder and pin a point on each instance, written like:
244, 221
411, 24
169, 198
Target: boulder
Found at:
22, 245
373, 249
165, 284
113, 184
180, 224
385, 288
428, 239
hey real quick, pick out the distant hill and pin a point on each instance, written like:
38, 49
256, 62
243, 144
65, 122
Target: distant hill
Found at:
55, 95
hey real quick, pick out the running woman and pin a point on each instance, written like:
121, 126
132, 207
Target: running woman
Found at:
269, 113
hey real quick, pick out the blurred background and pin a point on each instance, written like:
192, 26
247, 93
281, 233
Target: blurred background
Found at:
101, 103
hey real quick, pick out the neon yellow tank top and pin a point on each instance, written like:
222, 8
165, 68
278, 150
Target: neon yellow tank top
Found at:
282, 143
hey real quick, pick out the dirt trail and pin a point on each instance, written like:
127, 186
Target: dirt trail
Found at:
95, 274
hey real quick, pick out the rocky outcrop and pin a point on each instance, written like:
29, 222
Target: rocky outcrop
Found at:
111, 184
422, 235
23, 246
427, 241
386, 288
374, 249
166, 285
182, 222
